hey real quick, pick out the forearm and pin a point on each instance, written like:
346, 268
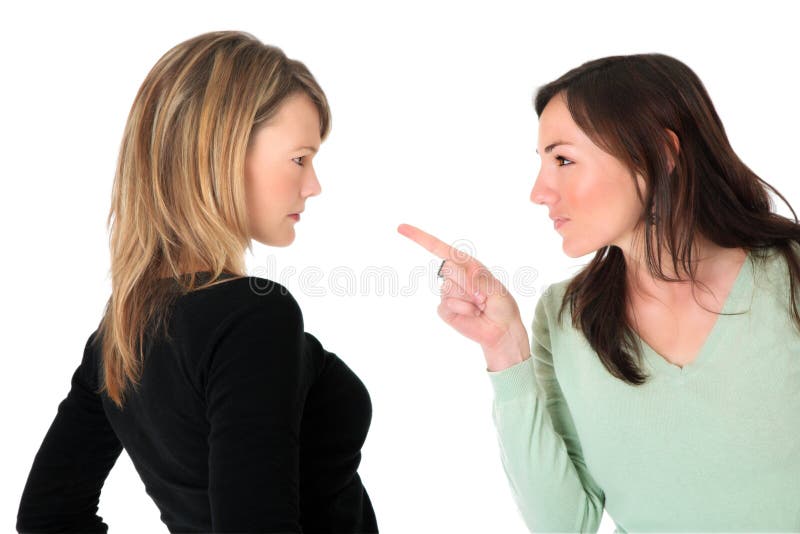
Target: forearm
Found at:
544, 480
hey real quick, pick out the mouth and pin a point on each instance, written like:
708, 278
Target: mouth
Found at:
559, 222
295, 216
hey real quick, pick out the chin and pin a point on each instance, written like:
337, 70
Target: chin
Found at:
284, 242
281, 241
288, 239
578, 252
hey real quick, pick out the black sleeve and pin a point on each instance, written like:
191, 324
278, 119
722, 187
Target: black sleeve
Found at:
80, 448
254, 406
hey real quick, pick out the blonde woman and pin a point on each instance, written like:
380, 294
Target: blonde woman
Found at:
234, 417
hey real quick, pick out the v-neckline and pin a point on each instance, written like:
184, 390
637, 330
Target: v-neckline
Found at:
662, 367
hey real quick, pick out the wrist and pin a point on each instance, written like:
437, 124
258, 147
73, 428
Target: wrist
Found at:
511, 350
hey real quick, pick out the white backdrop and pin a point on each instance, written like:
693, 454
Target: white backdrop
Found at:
432, 125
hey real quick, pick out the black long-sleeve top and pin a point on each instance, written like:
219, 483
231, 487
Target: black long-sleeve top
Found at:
242, 422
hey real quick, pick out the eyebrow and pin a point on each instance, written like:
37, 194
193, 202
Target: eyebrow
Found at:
311, 148
551, 146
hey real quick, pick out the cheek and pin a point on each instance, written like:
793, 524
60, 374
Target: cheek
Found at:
605, 196
269, 190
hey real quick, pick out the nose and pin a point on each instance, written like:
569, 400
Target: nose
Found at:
542, 192
311, 187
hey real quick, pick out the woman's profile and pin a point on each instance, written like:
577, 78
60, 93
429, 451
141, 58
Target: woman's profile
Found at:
663, 379
234, 417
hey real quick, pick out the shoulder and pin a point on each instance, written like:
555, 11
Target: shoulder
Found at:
546, 320
260, 339
772, 274
261, 302
235, 298
555, 291
238, 314
265, 295
549, 302
88, 371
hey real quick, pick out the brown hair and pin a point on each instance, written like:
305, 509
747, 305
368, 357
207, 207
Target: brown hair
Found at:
625, 104
178, 199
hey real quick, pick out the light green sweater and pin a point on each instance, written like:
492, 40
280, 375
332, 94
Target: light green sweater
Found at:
710, 447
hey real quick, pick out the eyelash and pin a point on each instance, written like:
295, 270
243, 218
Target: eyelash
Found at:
562, 159
298, 157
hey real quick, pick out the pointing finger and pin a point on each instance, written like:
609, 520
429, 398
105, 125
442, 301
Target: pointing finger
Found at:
471, 274
437, 246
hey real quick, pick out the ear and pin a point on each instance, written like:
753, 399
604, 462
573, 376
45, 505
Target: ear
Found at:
676, 145
641, 187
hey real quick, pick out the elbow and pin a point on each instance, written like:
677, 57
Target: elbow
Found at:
31, 520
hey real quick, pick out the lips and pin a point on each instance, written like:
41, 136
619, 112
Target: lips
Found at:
558, 221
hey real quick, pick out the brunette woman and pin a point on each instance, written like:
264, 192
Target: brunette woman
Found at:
663, 380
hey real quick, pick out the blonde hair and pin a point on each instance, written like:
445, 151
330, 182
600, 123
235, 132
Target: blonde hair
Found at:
178, 198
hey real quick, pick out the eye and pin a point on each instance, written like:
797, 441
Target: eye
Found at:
563, 161
298, 158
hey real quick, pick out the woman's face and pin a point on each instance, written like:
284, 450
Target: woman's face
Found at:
279, 173
580, 182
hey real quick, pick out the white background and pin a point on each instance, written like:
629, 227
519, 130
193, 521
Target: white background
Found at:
432, 125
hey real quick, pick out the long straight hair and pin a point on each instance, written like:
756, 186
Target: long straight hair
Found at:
178, 198
625, 105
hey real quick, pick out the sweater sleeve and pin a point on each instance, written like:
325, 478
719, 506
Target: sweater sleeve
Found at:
254, 409
62, 492
539, 446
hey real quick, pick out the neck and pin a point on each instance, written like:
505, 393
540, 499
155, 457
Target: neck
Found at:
712, 265
165, 272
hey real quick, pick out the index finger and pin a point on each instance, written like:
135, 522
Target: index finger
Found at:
471, 275
437, 246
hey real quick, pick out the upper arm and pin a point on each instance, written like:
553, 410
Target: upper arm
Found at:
544, 370
80, 448
254, 405
555, 402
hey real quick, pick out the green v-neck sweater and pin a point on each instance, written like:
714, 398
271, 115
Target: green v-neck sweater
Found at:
710, 447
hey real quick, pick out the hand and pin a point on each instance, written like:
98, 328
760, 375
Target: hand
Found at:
476, 304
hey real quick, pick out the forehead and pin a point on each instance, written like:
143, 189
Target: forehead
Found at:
556, 117
297, 113
556, 125
295, 123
